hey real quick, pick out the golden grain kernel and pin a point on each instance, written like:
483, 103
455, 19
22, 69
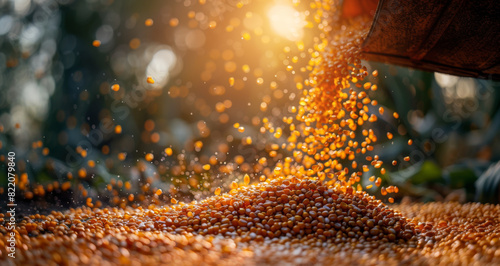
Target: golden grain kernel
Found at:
173, 22
82, 173
122, 156
149, 157
148, 22
118, 129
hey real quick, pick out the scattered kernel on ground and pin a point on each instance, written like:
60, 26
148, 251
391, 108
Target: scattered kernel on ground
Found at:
282, 221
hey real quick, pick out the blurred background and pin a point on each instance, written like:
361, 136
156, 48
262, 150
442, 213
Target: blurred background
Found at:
214, 64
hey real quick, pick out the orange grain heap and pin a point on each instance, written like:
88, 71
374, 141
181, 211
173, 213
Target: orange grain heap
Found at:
309, 207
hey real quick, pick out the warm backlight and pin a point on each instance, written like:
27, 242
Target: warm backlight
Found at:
286, 21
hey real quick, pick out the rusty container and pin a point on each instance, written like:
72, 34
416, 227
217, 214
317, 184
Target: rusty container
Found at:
458, 37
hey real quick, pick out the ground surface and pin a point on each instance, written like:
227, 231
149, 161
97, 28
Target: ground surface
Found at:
330, 232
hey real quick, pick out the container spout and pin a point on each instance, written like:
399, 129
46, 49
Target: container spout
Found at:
456, 37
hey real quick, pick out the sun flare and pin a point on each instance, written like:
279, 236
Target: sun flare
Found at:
286, 21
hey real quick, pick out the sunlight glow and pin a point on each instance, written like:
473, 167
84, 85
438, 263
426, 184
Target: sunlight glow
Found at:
161, 66
287, 22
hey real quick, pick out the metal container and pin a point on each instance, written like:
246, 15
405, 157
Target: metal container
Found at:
456, 37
